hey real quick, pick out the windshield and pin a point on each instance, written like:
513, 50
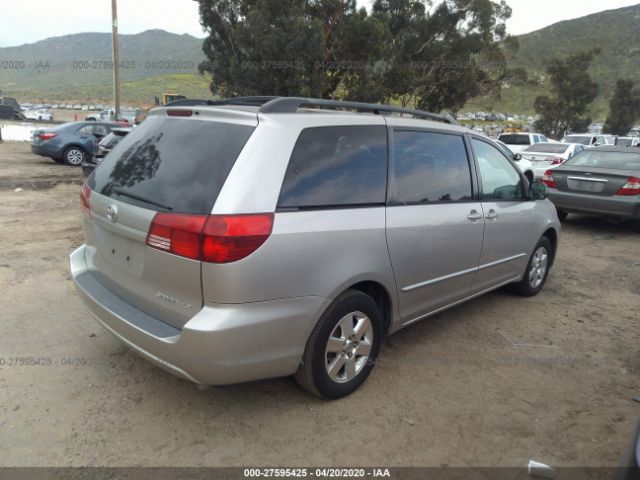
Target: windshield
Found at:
547, 148
514, 139
175, 164
577, 139
604, 159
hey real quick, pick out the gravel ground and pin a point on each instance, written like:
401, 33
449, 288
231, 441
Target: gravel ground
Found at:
494, 382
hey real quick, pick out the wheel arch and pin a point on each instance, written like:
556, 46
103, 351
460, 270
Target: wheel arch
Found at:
74, 144
552, 235
380, 296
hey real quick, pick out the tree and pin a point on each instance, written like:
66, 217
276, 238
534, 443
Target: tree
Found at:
432, 57
286, 47
445, 55
573, 92
624, 108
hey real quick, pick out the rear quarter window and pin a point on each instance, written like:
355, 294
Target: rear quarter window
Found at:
336, 167
171, 164
604, 159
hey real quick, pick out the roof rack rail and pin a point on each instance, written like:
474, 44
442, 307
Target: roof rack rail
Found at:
241, 101
291, 105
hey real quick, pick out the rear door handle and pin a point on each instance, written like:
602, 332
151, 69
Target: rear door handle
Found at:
474, 215
492, 215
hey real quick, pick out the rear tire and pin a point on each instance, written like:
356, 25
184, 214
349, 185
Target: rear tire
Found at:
74, 156
537, 270
342, 348
562, 215
529, 176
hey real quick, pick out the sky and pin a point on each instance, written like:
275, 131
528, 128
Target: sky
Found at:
28, 21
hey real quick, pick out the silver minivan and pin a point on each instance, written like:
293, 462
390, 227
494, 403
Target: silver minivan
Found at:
247, 239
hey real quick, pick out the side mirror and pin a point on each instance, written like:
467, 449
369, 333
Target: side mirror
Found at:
517, 157
538, 191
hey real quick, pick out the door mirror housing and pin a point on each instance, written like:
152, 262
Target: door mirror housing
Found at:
517, 157
538, 191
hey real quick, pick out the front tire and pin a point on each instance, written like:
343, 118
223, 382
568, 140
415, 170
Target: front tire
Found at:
537, 271
342, 349
74, 156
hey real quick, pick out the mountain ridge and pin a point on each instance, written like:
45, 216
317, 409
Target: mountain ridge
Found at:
58, 68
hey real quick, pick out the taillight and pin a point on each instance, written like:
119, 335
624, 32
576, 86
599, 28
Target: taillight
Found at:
46, 136
632, 187
554, 160
548, 180
229, 238
179, 113
213, 238
85, 196
178, 234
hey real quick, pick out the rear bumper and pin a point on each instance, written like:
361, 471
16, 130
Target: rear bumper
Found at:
624, 207
222, 344
46, 150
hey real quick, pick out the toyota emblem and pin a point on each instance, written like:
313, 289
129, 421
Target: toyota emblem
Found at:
112, 213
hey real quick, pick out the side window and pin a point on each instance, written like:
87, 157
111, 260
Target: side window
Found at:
87, 129
430, 167
337, 166
500, 180
101, 130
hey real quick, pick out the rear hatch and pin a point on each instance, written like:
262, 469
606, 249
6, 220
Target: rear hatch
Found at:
597, 172
593, 181
166, 166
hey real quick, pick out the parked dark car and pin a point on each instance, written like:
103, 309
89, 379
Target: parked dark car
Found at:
603, 181
71, 143
103, 147
10, 109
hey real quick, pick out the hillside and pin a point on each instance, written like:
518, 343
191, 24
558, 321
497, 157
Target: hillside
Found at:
615, 32
79, 67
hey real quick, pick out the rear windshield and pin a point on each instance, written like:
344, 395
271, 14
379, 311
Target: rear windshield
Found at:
547, 148
600, 159
577, 139
171, 164
111, 140
514, 139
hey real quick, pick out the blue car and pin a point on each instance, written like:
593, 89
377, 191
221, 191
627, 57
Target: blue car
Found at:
70, 143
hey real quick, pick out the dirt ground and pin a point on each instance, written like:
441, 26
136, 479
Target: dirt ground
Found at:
494, 382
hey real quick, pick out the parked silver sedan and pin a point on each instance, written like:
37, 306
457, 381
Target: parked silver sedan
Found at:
603, 181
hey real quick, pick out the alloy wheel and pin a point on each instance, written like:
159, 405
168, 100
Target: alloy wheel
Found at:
538, 267
348, 347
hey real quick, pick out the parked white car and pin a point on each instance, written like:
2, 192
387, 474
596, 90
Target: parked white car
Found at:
590, 139
628, 141
41, 114
525, 166
519, 141
547, 155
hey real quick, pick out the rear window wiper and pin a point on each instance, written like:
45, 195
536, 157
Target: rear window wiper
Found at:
124, 193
